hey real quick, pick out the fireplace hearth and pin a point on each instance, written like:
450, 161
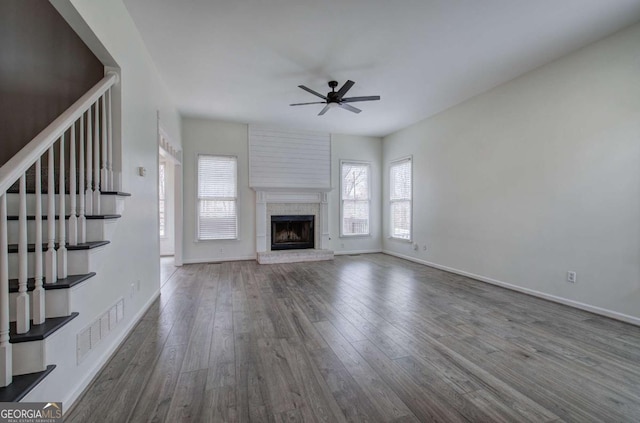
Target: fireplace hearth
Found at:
293, 232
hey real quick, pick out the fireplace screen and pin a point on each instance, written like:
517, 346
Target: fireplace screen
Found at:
291, 232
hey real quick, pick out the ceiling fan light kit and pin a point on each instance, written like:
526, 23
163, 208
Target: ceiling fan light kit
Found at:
335, 98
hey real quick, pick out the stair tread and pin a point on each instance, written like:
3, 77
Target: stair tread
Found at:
14, 190
39, 332
13, 248
23, 384
92, 217
68, 282
118, 193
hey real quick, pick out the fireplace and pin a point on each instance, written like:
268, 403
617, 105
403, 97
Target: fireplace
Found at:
292, 232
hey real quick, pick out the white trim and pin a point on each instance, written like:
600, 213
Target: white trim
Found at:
197, 238
291, 197
178, 217
174, 158
220, 259
560, 300
341, 200
391, 163
345, 253
107, 355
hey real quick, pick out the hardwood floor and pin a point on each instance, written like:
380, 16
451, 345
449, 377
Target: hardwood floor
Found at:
364, 338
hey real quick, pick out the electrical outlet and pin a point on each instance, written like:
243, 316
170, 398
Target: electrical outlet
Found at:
571, 276
416, 247
424, 247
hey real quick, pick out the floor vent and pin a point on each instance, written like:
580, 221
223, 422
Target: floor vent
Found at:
89, 337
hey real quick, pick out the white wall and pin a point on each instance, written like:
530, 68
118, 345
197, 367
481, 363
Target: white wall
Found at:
537, 177
133, 254
358, 148
216, 137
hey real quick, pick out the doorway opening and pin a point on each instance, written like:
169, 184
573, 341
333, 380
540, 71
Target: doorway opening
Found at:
169, 206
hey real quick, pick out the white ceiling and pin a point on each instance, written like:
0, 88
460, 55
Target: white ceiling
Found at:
242, 60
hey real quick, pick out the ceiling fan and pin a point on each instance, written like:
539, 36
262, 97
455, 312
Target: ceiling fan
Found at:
336, 98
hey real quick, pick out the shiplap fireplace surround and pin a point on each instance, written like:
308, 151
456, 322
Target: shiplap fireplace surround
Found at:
290, 171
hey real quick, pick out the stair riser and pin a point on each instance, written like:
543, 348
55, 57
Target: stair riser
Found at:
97, 230
109, 204
78, 262
29, 357
57, 303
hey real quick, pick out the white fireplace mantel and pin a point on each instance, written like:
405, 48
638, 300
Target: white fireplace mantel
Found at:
291, 196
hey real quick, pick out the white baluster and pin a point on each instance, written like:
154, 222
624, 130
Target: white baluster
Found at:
6, 362
82, 223
104, 175
89, 192
73, 219
38, 292
96, 161
22, 302
62, 248
110, 143
50, 257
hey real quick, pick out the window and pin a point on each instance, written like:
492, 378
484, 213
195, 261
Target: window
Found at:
161, 202
354, 196
400, 198
217, 197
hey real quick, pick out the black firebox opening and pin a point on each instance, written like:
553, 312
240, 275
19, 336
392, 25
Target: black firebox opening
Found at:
292, 232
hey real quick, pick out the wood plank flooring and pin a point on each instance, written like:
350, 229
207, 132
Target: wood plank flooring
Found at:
368, 338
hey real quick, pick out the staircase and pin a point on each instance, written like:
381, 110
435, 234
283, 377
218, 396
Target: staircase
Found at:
59, 207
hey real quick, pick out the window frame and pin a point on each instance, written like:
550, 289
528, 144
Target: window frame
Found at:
198, 199
390, 201
358, 163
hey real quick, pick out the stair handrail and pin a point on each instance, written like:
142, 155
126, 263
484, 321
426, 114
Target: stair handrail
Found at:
13, 169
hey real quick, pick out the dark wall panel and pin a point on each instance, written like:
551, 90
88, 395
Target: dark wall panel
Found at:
44, 68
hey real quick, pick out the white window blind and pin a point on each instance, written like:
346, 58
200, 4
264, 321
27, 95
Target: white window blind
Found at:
217, 197
161, 202
400, 191
354, 195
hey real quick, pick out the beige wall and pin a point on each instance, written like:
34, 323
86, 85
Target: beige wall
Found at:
202, 136
535, 178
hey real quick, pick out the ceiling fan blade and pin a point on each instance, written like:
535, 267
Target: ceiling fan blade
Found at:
350, 108
309, 90
323, 111
346, 87
302, 104
367, 98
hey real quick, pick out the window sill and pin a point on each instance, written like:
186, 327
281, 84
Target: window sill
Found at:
393, 238
355, 236
196, 241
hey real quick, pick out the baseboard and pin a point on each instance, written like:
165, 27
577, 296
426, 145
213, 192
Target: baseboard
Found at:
560, 300
344, 253
253, 257
219, 260
70, 401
